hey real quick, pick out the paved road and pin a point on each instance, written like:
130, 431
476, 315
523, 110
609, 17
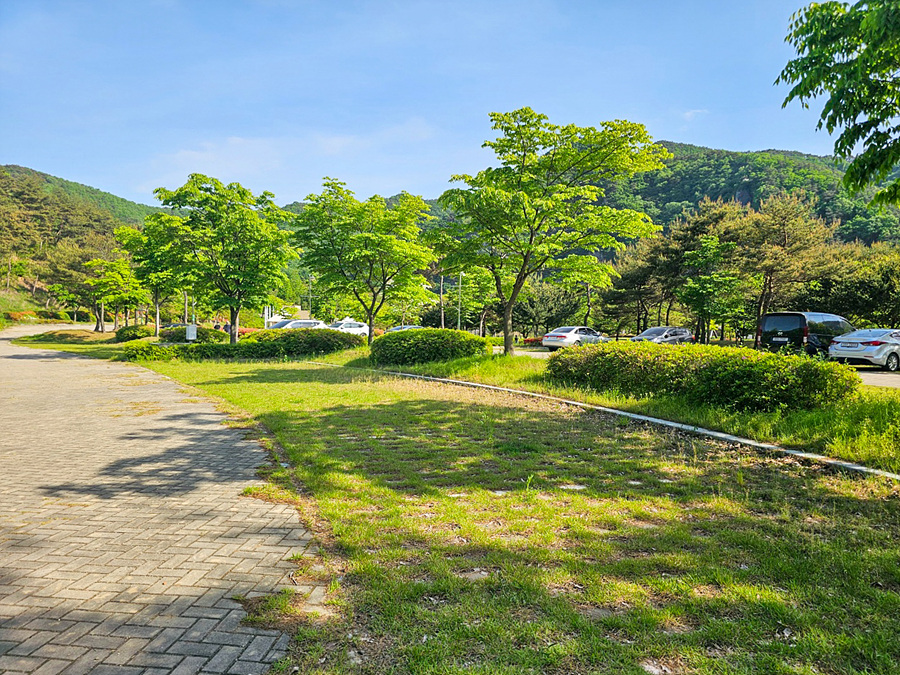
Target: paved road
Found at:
871, 376
123, 536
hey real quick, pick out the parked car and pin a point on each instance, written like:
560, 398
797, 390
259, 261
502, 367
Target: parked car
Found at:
668, 335
348, 325
571, 336
872, 346
396, 328
299, 323
809, 331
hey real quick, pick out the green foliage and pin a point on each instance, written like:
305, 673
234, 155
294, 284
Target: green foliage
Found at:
543, 203
148, 351
364, 248
120, 209
850, 54
303, 341
726, 377
204, 335
228, 241
428, 344
266, 344
129, 333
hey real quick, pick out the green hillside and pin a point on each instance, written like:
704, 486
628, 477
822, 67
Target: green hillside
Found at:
695, 173
120, 209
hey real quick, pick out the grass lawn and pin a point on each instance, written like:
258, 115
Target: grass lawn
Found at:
473, 532
467, 531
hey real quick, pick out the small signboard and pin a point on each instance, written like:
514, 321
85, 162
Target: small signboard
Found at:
190, 332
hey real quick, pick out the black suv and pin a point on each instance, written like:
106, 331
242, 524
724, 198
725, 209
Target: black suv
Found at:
810, 331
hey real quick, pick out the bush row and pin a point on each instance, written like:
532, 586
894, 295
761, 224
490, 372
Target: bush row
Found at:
204, 335
31, 315
427, 344
274, 344
129, 333
727, 377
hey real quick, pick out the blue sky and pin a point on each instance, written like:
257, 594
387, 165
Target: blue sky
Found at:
388, 95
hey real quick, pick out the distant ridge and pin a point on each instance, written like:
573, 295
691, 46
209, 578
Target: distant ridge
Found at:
119, 208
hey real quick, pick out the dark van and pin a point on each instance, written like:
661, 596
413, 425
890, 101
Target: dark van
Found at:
810, 331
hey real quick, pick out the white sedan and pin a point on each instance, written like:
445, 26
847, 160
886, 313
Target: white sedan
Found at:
571, 336
348, 325
299, 323
871, 346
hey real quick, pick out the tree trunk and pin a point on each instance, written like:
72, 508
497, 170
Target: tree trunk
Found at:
508, 347
441, 297
156, 305
235, 314
587, 313
102, 316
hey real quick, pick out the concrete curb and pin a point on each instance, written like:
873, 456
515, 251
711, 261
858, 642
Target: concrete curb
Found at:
700, 431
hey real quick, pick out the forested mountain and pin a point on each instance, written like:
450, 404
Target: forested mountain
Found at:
117, 207
695, 173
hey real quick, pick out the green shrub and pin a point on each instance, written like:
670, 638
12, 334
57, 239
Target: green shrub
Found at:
53, 314
726, 377
148, 351
274, 344
129, 333
427, 344
495, 341
204, 335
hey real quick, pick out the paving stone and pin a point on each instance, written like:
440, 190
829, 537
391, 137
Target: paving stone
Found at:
123, 534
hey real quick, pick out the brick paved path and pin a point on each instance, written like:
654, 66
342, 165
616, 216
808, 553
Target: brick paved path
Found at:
123, 537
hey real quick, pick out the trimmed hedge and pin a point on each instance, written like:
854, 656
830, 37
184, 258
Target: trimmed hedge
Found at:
204, 335
129, 333
148, 351
727, 377
269, 344
426, 344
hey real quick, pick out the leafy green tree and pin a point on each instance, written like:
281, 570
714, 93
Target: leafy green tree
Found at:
851, 54
544, 306
542, 203
363, 248
157, 263
230, 241
116, 285
710, 290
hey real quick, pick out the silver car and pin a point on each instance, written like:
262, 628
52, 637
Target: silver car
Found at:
299, 323
871, 346
571, 336
349, 325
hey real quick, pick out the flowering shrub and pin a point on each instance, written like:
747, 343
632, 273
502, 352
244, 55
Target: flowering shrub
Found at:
727, 377
533, 341
426, 344
27, 315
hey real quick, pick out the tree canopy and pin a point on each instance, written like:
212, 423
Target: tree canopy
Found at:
850, 53
228, 240
542, 204
363, 248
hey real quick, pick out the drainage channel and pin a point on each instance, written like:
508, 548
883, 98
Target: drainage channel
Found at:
700, 431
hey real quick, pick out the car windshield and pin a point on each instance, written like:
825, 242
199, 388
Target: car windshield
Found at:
337, 324
866, 334
564, 329
280, 324
653, 332
782, 322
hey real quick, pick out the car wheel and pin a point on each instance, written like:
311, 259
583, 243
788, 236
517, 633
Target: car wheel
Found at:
552, 349
577, 343
893, 363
